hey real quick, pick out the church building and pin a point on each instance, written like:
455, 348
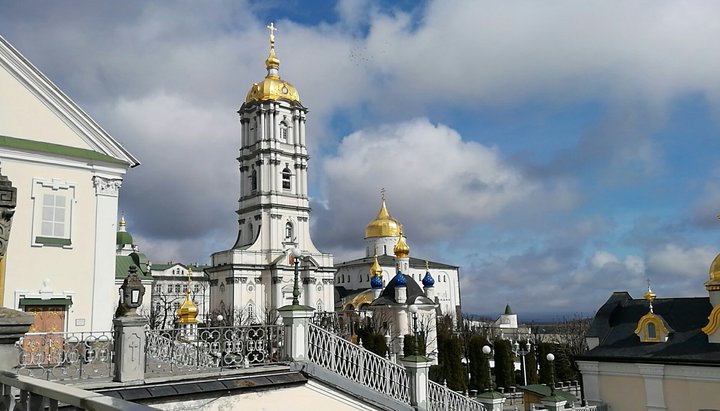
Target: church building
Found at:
353, 278
256, 274
60, 262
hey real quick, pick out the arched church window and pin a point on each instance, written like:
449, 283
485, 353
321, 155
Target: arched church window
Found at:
253, 178
250, 231
651, 331
283, 132
319, 305
286, 178
251, 311
289, 232
360, 277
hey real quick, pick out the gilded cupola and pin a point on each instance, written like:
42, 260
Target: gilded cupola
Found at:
188, 311
713, 284
401, 249
272, 87
383, 225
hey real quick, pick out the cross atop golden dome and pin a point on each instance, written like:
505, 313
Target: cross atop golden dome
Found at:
383, 225
272, 87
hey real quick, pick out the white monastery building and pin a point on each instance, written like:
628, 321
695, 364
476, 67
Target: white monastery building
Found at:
256, 274
353, 278
60, 262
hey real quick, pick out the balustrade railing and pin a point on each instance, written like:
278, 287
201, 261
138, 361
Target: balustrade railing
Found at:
441, 398
355, 363
66, 355
213, 348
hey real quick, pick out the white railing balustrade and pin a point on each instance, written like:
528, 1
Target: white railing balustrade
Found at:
441, 398
66, 355
213, 348
355, 363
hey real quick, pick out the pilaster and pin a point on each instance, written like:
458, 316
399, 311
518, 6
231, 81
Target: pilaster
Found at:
653, 375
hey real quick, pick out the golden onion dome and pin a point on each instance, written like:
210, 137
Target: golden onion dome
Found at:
272, 87
188, 311
713, 284
375, 269
401, 249
649, 295
383, 225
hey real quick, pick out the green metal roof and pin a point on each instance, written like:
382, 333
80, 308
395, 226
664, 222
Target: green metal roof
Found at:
58, 149
123, 263
123, 238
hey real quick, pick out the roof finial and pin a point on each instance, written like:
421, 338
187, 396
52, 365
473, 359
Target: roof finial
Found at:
382, 194
649, 295
272, 63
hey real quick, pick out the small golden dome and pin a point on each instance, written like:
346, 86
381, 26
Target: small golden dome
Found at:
383, 225
272, 87
713, 283
122, 221
375, 269
188, 311
649, 295
401, 249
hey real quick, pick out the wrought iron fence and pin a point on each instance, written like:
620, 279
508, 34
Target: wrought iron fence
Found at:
66, 355
441, 398
213, 348
351, 361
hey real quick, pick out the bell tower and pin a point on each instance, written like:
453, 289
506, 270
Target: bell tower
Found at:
274, 209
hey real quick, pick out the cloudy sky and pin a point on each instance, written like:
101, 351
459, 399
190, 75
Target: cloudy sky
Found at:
555, 151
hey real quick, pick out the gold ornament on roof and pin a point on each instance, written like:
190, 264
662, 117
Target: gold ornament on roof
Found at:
122, 221
401, 249
188, 311
713, 283
375, 269
383, 225
272, 87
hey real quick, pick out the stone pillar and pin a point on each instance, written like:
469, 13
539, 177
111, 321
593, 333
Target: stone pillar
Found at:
418, 371
492, 400
296, 319
8, 201
553, 402
129, 348
13, 325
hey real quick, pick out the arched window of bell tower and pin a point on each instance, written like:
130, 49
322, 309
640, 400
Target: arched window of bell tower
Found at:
286, 174
254, 180
289, 232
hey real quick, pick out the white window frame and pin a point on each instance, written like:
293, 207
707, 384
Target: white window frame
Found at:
40, 188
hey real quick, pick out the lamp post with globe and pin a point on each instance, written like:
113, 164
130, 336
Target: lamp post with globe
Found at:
295, 253
522, 351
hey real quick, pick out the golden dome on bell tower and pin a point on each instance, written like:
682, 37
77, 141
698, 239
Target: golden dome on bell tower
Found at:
383, 225
272, 87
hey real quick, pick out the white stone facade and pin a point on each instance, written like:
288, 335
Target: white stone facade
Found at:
68, 172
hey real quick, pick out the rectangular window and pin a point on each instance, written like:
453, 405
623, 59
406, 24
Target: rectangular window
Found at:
170, 288
52, 212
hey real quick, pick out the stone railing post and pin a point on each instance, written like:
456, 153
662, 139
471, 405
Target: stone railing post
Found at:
130, 331
13, 325
296, 319
492, 400
553, 402
418, 371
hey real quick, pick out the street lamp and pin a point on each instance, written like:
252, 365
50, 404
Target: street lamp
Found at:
550, 357
522, 352
295, 254
487, 351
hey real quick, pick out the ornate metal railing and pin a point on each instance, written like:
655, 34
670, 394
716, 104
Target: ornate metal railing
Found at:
213, 348
66, 355
351, 361
441, 398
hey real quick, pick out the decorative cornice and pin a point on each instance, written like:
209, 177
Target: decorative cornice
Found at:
106, 187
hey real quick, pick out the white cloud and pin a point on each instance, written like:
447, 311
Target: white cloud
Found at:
437, 183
